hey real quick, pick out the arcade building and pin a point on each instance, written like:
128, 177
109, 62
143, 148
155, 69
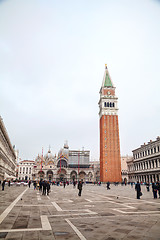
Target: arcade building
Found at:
69, 165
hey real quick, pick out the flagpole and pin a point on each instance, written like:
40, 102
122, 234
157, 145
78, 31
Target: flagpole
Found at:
60, 163
41, 159
78, 163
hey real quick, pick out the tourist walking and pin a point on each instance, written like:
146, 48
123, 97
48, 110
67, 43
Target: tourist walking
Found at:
40, 185
138, 189
147, 186
80, 188
155, 189
48, 187
3, 184
35, 185
74, 183
158, 188
64, 184
44, 185
29, 184
108, 184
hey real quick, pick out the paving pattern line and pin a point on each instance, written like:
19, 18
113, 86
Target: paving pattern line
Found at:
143, 212
45, 223
134, 199
88, 200
37, 205
109, 201
91, 212
57, 207
73, 214
89, 205
9, 208
21, 230
79, 234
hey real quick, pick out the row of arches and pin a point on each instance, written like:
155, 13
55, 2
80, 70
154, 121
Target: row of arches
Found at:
62, 175
109, 104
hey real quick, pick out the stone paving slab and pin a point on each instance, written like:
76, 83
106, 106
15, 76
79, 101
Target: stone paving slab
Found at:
98, 214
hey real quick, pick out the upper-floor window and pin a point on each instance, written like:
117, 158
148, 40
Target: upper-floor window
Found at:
147, 164
105, 105
158, 148
155, 150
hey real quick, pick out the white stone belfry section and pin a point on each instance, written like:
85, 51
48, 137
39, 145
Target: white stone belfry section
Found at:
108, 103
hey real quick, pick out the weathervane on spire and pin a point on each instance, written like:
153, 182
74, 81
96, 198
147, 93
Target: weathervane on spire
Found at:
49, 149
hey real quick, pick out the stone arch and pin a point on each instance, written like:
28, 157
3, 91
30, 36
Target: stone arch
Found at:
73, 175
82, 175
50, 175
62, 163
61, 175
41, 174
90, 176
97, 176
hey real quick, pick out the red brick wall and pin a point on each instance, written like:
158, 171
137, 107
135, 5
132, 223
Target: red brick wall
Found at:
110, 149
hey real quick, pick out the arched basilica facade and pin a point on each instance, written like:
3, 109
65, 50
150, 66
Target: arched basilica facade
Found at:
67, 166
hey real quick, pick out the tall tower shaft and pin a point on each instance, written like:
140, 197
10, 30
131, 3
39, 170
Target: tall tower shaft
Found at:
110, 161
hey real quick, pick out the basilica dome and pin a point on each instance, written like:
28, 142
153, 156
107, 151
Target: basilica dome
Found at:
48, 155
64, 151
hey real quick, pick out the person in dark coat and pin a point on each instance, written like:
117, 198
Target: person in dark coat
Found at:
108, 184
44, 184
155, 189
9, 183
35, 185
40, 185
147, 186
74, 183
3, 184
64, 184
80, 188
138, 189
29, 184
48, 187
158, 188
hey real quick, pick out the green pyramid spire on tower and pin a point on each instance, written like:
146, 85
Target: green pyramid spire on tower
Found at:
108, 82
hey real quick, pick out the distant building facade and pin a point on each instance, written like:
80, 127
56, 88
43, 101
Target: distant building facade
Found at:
124, 167
69, 165
145, 164
110, 161
25, 170
7, 154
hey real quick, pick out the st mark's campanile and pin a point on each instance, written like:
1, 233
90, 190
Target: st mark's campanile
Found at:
110, 161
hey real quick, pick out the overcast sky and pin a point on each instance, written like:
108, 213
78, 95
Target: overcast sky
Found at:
52, 61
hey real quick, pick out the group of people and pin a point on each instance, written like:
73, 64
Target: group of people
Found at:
44, 186
155, 189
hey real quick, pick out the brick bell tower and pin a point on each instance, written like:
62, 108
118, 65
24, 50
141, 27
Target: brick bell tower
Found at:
110, 161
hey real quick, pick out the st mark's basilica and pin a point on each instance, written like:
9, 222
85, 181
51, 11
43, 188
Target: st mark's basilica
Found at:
69, 165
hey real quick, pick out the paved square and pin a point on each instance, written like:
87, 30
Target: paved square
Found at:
98, 214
